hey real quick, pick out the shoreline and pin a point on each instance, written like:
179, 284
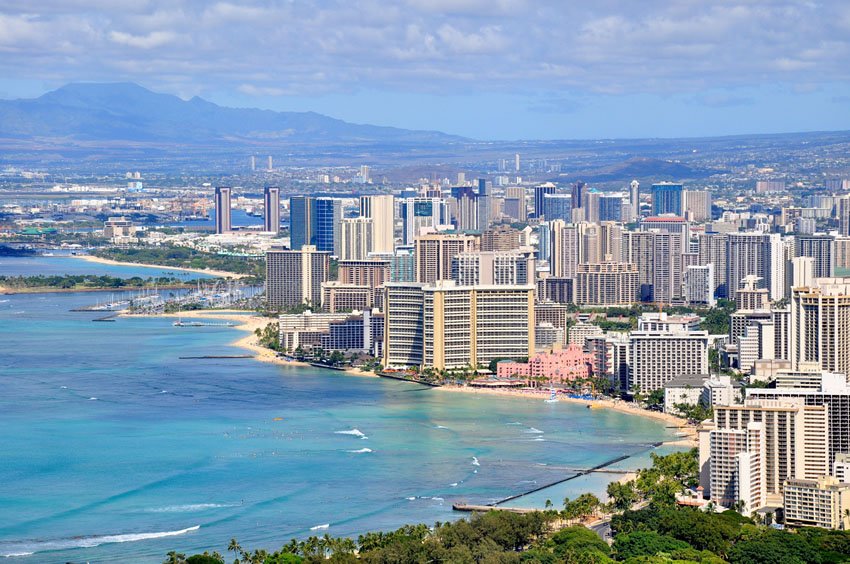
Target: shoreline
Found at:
212, 272
249, 323
688, 438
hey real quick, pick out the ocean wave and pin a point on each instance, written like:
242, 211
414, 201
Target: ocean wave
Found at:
514, 423
440, 427
538, 440
26, 548
412, 498
92, 398
360, 451
454, 485
534, 431
321, 527
475, 461
189, 507
353, 432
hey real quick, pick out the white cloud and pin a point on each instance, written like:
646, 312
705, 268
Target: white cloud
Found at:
264, 47
152, 40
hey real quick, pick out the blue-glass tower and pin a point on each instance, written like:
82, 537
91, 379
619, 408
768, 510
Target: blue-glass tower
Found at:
667, 198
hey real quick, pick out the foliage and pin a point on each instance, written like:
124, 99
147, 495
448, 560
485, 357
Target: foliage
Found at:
184, 257
645, 543
87, 281
269, 336
716, 321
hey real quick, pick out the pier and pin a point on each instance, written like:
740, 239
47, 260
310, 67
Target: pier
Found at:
578, 473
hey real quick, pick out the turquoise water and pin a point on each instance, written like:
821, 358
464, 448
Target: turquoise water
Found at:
59, 265
110, 442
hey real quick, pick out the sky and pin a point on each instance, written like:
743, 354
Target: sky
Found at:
486, 69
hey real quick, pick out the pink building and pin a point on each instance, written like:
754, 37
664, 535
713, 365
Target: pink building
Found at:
559, 366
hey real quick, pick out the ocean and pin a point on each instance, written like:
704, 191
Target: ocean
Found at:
116, 449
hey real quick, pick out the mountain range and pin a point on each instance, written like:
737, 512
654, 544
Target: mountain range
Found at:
127, 112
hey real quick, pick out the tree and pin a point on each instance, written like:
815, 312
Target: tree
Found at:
622, 494
645, 543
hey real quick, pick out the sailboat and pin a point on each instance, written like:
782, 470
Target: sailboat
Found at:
553, 396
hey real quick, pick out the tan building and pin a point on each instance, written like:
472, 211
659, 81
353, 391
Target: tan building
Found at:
501, 238
824, 502
295, 277
381, 210
820, 325
434, 254
446, 326
119, 230
612, 283
372, 273
338, 297
356, 238
493, 268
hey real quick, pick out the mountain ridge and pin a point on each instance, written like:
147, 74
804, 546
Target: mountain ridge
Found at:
125, 111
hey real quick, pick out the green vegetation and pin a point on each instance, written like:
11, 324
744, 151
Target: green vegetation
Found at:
183, 257
269, 337
85, 282
716, 321
660, 532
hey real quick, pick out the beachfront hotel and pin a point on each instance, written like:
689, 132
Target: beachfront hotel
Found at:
446, 326
557, 367
295, 277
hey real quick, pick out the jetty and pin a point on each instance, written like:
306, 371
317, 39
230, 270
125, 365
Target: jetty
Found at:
402, 379
205, 357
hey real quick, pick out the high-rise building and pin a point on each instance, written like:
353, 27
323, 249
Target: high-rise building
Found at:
356, 238
373, 273
696, 205
515, 205
328, 224
501, 238
699, 285
381, 210
222, 209
759, 254
295, 277
667, 198
420, 214
820, 248
493, 268
516, 162
557, 206
608, 283
540, 192
656, 357
824, 502
736, 462
843, 211
712, 250
610, 207
658, 256
271, 168
752, 295
455, 327
434, 254
820, 324
634, 200
763, 186
579, 192
271, 214
302, 222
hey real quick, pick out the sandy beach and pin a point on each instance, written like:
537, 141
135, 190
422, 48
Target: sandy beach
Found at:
688, 437
249, 323
218, 273
250, 342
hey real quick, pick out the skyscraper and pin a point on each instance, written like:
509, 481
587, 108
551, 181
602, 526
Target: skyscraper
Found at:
222, 209
420, 213
328, 224
634, 199
696, 205
271, 217
540, 193
579, 191
295, 277
557, 206
356, 238
381, 210
759, 254
820, 248
667, 198
302, 222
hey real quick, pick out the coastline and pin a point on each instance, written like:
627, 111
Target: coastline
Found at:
689, 432
249, 323
212, 272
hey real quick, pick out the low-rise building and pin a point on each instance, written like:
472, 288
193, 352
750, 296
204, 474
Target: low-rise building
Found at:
824, 502
557, 367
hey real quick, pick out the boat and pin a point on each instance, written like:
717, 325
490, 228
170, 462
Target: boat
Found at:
553, 396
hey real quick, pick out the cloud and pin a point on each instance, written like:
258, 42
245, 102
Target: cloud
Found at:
306, 47
152, 40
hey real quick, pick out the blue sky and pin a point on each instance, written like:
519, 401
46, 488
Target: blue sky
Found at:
489, 69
